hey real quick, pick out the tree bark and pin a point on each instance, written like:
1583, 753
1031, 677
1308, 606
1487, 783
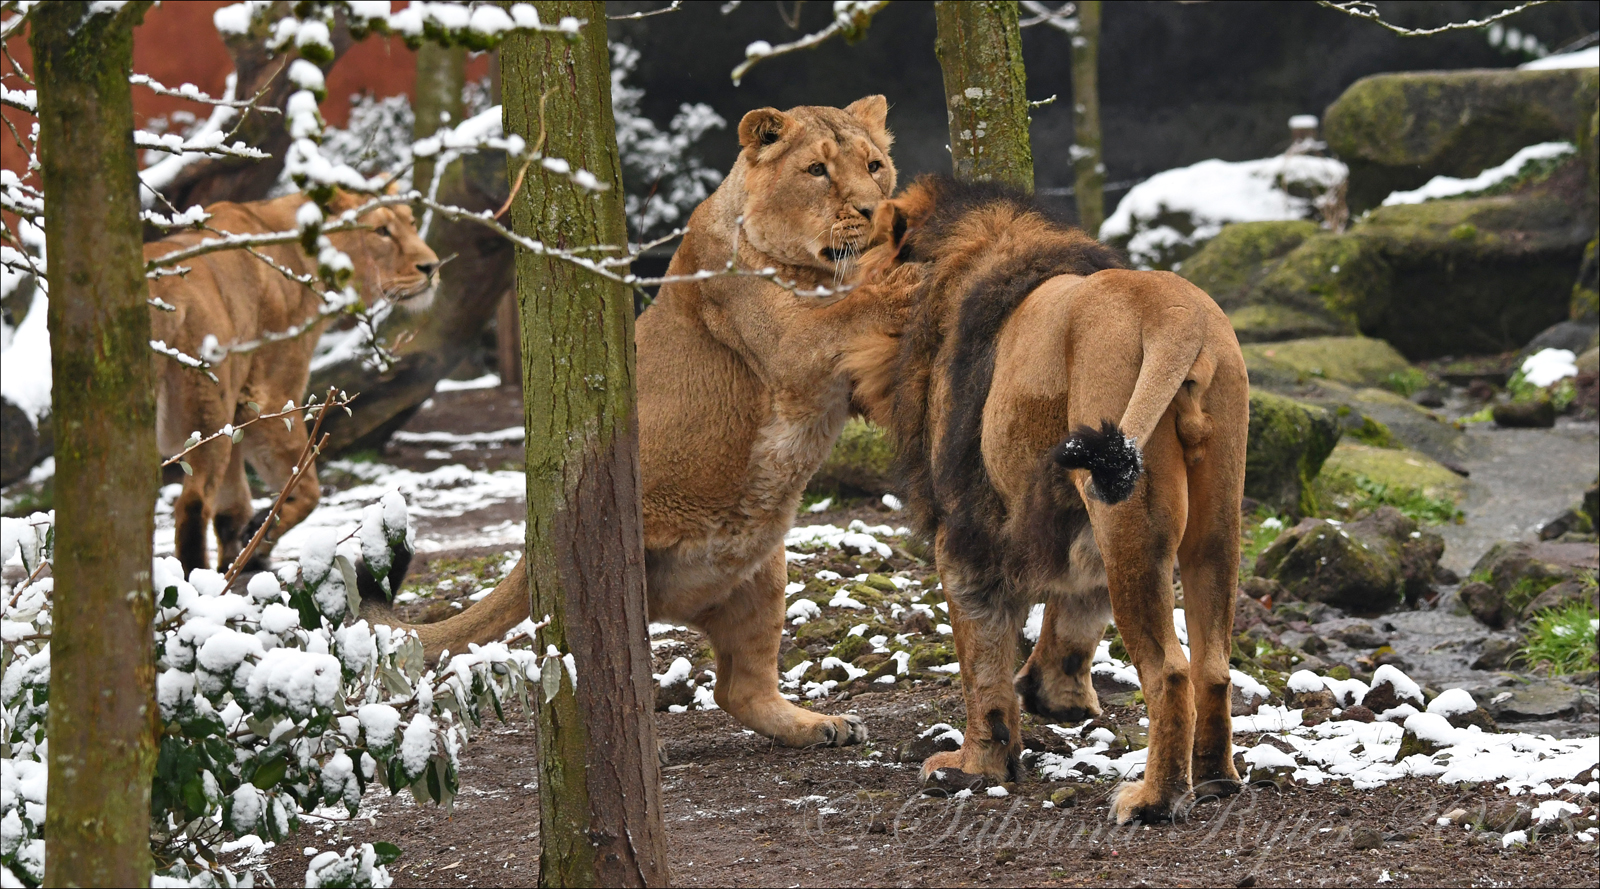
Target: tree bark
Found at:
441, 78
1087, 161
985, 91
599, 778
102, 723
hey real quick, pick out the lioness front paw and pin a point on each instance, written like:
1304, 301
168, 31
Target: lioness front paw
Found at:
1144, 802
843, 730
997, 766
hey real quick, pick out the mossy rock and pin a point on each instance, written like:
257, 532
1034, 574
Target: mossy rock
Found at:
1351, 360
851, 647
1264, 323
1231, 262
1397, 131
1398, 468
1520, 571
1585, 305
930, 654
819, 630
1406, 424
1288, 443
859, 463
1367, 566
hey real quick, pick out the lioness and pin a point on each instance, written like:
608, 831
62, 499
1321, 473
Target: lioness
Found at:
1064, 429
237, 298
740, 400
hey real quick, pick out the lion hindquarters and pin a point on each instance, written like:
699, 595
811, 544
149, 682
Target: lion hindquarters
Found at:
1112, 459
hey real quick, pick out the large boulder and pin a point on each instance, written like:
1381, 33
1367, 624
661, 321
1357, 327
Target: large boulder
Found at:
1350, 360
1406, 423
1397, 131
1400, 470
1287, 445
1231, 263
1585, 304
1367, 566
859, 463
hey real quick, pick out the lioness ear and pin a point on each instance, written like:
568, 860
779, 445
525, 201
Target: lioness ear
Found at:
872, 111
763, 126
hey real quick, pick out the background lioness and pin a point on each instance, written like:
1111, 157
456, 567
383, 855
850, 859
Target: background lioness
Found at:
1065, 429
740, 399
236, 298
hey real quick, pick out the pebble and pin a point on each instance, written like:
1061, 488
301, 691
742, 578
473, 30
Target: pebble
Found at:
1364, 838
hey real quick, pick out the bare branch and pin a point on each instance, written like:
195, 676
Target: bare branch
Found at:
1061, 18
850, 20
1364, 10
676, 5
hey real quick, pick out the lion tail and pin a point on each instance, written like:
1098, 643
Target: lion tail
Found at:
484, 621
1174, 369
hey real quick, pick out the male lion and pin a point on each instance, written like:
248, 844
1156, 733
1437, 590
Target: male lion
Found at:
1064, 429
740, 400
237, 298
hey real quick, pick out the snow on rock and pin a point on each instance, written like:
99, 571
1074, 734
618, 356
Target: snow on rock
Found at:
1549, 365
1266, 756
1583, 58
1452, 702
1306, 682
859, 537
803, 610
676, 674
1449, 186
1214, 193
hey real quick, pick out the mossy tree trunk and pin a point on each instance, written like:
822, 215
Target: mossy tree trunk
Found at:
102, 724
1088, 163
441, 79
599, 778
985, 90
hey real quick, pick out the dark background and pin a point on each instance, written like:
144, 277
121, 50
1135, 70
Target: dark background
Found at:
1179, 82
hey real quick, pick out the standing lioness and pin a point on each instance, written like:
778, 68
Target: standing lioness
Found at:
740, 400
235, 299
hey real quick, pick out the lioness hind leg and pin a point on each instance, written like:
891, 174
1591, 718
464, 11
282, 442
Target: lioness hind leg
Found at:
991, 746
273, 449
746, 630
197, 504
232, 510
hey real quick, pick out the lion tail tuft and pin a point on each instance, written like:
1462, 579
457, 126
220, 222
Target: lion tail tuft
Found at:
1112, 459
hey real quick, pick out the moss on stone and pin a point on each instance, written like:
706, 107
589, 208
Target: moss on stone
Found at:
851, 647
859, 462
1287, 445
1232, 261
1585, 303
930, 654
1400, 469
1352, 360
1266, 323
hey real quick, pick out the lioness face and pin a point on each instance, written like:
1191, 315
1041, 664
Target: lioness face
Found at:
392, 261
813, 176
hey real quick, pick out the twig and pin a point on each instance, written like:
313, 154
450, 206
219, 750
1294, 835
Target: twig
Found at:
1369, 11
1062, 17
676, 5
16, 594
230, 430
849, 19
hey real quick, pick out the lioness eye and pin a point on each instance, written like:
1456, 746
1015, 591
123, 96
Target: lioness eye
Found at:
383, 230
874, 166
817, 169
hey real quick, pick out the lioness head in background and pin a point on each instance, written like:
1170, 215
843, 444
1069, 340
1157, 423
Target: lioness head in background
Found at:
812, 176
392, 262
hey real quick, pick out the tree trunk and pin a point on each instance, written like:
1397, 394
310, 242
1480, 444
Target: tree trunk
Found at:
599, 778
102, 723
985, 89
1087, 161
470, 289
441, 78
508, 344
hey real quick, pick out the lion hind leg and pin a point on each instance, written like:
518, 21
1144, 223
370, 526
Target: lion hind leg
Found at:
746, 630
1055, 682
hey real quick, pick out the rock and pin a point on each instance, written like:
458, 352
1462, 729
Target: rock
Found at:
1476, 717
919, 749
1573, 520
1485, 603
851, 647
1574, 336
1360, 635
1358, 713
1561, 595
1288, 442
1225, 268
1402, 422
1538, 413
1365, 838
1506, 817
1390, 689
1397, 131
677, 694
19, 443
1367, 566
1591, 504
859, 463
1351, 360
1064, 798
1495, 654
1521, 571
1401, 470
1586, 290
1540, 699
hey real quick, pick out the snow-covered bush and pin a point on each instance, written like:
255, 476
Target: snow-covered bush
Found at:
275, 701
1169, 216
664, 180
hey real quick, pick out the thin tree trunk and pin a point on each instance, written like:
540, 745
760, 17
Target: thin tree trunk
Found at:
441, 78
1087, 161
985, 91
508, 344
599, 778
102, 724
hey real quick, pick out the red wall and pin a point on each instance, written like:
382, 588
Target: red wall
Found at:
179, 44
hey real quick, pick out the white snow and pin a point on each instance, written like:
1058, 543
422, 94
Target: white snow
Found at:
1547, 366
487, 381
1583, 58
1307, 682
1449, 186
677, 673
25, 363
1404, 688
1451, 702
295, 680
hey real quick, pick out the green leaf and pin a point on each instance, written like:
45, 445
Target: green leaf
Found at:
387, 852
550, 678
435, 789
169, 597
187, 469
267, 776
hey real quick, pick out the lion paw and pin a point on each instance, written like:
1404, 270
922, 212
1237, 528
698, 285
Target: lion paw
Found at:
1141, 801
982, 764
841, 731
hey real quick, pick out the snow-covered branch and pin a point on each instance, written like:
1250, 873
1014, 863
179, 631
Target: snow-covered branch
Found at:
850, 21
194, 94
676, 5
1364, 10
1063, 17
